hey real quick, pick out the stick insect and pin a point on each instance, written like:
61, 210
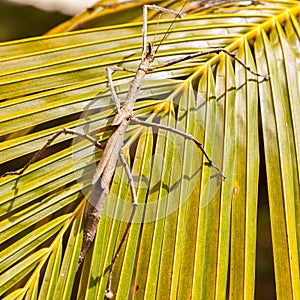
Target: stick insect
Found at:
112, 151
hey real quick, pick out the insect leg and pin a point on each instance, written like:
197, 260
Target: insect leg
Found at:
108, 291
48, 143
211, 51
109, 72
183, 134
130, 178
145, 17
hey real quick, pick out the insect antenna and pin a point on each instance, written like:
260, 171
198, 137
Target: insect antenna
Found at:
170, 26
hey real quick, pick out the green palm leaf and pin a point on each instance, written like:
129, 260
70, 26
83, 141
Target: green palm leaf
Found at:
194, 235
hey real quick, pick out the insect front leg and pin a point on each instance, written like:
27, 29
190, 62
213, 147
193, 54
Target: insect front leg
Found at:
145, 18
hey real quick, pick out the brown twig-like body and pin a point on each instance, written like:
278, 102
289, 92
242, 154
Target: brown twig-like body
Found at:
105, 169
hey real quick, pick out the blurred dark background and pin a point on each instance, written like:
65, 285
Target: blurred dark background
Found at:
265, 280
17, 22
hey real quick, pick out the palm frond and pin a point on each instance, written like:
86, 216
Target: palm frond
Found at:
192, 229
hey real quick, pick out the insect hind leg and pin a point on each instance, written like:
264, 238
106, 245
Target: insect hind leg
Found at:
48, 143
